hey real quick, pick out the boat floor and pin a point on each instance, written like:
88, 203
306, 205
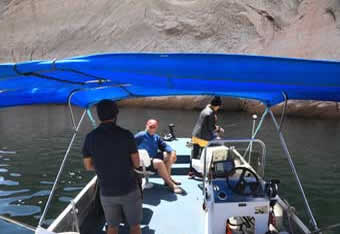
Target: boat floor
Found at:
165, 212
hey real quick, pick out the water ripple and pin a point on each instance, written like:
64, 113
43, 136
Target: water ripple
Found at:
9, 193
3, 181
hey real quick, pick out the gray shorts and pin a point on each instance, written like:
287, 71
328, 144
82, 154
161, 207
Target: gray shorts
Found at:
128, 206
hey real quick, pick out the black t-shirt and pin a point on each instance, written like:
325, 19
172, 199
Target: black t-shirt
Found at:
110, 148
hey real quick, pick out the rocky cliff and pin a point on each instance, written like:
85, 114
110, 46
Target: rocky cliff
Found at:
46, 29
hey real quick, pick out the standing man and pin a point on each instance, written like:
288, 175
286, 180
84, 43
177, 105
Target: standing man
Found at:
111, 152
205, 128
158, 150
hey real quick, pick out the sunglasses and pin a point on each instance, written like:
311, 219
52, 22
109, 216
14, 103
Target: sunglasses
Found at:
152, 126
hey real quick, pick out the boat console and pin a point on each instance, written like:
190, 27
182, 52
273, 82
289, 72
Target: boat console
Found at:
234, 184
234, 193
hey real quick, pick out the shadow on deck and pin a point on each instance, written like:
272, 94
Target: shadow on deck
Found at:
165, 212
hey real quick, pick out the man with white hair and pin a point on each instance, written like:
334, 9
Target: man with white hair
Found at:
161, 154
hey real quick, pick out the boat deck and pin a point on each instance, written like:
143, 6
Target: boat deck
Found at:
165, 212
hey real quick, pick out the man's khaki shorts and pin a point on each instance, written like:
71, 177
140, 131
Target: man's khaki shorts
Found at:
128, 206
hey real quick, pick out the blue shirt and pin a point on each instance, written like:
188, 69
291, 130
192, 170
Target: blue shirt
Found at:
151, 143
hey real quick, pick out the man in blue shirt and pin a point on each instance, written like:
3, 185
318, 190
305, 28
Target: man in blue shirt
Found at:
163, 156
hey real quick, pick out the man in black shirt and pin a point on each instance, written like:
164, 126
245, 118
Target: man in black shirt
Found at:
205, 128
111, 151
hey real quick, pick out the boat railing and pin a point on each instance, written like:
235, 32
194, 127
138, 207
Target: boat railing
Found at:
278, 126
230, 141
255, 162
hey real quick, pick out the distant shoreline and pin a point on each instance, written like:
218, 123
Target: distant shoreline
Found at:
296, 108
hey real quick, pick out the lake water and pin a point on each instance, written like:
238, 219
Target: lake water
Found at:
40, 134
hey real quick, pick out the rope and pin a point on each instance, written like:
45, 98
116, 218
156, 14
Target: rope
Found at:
75, 223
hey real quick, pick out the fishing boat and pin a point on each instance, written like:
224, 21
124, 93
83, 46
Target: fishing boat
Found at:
231, 193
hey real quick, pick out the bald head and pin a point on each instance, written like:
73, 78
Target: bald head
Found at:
151, 126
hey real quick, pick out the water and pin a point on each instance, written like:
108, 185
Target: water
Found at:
40, 134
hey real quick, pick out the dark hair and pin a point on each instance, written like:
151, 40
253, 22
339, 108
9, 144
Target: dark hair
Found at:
216, 101
107, 110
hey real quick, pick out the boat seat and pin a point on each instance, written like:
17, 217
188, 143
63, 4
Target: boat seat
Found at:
214, 154
145, 163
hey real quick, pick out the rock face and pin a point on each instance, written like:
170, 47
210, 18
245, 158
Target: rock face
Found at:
183, 102
312, 109
47, 29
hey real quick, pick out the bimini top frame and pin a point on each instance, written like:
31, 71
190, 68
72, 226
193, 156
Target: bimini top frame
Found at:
250, 141
75, 133
245, 76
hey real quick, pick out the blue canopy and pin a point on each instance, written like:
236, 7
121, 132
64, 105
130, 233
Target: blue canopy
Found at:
119, 76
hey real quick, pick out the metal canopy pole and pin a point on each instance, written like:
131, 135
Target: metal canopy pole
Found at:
89, 114
257, 130
61, 170
70, 106
291, 163
205, 171
283, 114
252, 137
75, 91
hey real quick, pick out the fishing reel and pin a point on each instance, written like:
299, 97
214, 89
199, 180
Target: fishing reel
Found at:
170, 136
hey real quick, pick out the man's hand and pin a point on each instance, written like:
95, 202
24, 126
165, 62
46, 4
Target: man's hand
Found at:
135, 160
219, 129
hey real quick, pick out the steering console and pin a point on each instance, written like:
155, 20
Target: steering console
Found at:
243, 181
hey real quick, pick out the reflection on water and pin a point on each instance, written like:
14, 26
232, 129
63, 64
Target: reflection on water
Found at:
40, 134
3, 181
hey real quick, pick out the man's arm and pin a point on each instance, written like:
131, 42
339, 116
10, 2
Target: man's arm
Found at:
135, 160
163, 146
213, 127
88, 163
87, 154
134, 155
211, 121
138, 138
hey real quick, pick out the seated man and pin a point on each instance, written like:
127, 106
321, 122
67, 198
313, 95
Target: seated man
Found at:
161, 161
